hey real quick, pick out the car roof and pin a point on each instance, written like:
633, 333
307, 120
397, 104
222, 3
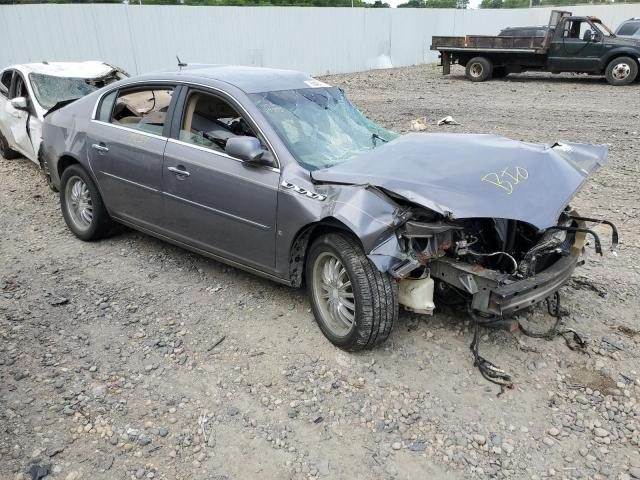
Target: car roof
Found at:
247, 79
90, 69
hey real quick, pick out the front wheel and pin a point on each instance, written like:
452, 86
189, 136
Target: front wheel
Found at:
354, 303
621, 71
479, 69
82, 206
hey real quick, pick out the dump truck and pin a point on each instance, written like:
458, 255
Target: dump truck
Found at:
571, 44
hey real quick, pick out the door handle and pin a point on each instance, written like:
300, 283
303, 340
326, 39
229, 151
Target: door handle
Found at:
100, 148
180, 171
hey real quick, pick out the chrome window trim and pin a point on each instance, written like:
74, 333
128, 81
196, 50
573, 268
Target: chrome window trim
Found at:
183, 82
132, 130
222, 154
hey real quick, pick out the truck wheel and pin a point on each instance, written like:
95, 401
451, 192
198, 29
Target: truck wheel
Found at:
621, 71
5, 151
354, 303
479, 69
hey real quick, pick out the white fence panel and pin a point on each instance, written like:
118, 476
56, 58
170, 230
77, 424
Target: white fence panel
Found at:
315, 40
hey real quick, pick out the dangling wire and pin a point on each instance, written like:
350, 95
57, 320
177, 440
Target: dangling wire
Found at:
488, 370
568, 334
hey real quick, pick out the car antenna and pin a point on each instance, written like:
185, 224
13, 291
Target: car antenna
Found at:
180, 62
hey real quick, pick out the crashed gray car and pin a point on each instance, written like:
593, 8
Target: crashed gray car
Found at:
278, 173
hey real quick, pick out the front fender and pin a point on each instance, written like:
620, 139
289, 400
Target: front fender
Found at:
619, 52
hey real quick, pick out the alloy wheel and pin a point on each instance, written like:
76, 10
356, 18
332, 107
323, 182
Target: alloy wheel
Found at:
78, 203
334, 295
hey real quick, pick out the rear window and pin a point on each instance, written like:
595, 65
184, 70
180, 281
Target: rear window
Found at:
629, 28
141, 109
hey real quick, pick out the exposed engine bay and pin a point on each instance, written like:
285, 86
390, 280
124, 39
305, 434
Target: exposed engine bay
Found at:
494, 267
499, 265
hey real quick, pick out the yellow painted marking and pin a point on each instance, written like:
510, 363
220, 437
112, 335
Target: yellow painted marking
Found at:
507, 179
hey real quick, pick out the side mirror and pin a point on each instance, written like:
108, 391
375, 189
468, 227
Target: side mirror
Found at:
19, 103
596, 37
248, 149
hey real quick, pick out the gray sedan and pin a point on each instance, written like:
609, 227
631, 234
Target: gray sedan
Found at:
277, 173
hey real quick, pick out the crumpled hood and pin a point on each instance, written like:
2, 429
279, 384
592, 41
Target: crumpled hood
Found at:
475, 176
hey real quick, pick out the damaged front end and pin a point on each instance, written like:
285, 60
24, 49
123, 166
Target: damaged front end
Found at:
484, 216
495, 266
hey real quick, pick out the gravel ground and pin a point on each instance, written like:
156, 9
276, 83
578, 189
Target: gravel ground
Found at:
130, 358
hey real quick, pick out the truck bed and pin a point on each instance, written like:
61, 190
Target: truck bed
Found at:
472, 43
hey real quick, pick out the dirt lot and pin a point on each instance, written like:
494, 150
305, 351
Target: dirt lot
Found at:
129, 358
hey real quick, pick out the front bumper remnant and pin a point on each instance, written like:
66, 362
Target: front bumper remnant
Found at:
497, 293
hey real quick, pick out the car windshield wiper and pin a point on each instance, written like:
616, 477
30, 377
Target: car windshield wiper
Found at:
375, 136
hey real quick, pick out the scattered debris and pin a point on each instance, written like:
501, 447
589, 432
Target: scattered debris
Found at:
419, 124
448, 120
39, 471
216, 343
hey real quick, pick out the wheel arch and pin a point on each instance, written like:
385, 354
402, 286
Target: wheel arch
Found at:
617, 53
305, 237
64, 162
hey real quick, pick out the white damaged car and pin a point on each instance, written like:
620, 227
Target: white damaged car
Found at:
29, 91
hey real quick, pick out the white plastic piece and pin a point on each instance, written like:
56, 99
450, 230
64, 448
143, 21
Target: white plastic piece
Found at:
417, 295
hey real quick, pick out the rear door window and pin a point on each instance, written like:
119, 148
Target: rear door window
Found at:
143, 109
106, 105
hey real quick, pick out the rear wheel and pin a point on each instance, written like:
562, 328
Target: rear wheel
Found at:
82, 206
479, 69
354, 303
5, 151
621, 71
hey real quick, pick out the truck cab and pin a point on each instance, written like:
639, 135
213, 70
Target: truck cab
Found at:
585, 44
570, 44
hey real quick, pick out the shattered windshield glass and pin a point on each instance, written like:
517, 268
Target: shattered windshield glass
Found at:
320, 126
50, 89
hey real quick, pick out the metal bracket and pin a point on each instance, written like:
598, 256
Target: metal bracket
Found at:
469, 283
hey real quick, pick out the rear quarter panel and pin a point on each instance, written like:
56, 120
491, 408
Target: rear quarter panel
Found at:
64, 134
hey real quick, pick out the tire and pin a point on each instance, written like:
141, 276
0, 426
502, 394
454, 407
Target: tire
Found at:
621, 71
479, 69
372, 294
5, 151
44, 166
82, 206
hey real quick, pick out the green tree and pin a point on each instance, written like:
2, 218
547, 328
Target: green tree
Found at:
435, 4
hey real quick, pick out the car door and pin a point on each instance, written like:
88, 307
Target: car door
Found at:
19, 122
213, 201
571, 50
5, 85
126, 142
